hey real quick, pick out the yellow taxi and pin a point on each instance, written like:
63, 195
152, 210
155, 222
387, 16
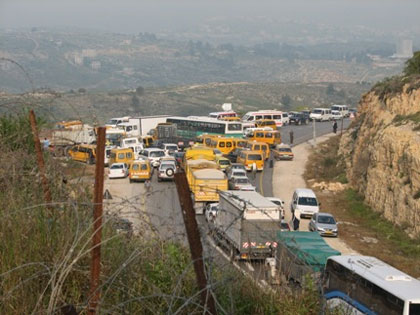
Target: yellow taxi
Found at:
222, 162
84, 153
262, 123
140, 170
260, 147
250, 158
121, 156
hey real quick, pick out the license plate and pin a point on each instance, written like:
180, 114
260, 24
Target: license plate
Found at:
261, 246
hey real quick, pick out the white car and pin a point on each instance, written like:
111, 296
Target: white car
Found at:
336, 115
166, 170
170, 147
278, 202
211, 211
118, 170
154, 155
237, 173
240, 183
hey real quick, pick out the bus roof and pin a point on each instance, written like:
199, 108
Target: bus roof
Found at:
383, 275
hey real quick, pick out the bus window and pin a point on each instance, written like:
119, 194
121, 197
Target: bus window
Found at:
258, 117
268, 117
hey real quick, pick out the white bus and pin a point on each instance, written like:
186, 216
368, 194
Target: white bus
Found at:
275, 115
367, 285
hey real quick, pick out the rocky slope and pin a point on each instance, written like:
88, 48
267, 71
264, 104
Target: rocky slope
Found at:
382, 154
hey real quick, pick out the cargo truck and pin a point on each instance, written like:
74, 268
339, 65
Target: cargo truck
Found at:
63, 139
246, 224
205, 181
299, 256
141, 126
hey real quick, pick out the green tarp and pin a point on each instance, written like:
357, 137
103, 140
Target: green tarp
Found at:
309, 247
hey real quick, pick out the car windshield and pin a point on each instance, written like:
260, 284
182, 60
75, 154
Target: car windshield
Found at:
307, 201
242, 180
112, 122
157, 154
285, 150
326, 219
171, 147
217, 151
255, 157
224, 162
317, 111
166, 166
239, 174
117, 166
277, 202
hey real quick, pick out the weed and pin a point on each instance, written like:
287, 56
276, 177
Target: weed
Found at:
417, 195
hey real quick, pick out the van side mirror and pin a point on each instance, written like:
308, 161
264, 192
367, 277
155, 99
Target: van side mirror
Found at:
319, 204
295, 202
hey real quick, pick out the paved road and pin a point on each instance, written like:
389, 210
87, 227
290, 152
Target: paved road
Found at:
160, 210
301, 134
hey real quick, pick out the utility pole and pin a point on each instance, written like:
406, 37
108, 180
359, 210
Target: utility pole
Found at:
95, 269
314, 130
194, 241
40, 159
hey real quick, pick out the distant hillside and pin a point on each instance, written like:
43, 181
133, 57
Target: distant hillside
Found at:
103, 61
199, 99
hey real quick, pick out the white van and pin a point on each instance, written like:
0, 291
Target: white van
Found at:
134, 144
275, 115
321, 114
343, 109
305, 200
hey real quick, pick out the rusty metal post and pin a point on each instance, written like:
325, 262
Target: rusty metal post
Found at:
194, 241
40, 158
95, 269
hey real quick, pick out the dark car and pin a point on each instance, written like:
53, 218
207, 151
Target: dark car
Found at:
179, 156
233, 155
300, 118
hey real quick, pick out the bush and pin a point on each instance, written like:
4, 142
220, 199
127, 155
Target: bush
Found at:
412, 65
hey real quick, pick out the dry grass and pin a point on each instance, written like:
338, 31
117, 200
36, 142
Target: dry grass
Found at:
361, 228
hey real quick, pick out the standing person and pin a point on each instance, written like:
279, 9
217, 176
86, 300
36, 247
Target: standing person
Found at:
291, 136
254, 170
335, 126
296, 220
46, 144
147, 185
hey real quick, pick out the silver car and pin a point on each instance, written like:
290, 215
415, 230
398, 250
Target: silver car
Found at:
324, 224
240, 183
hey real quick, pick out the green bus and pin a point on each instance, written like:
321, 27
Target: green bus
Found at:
194, 126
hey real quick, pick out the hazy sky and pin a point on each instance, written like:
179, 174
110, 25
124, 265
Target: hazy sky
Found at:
155, 16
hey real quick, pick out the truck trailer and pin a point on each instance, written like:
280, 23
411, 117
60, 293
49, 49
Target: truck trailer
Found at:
141, 126
300, 256
246, 224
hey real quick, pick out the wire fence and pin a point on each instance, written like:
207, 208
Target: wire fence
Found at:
146, 267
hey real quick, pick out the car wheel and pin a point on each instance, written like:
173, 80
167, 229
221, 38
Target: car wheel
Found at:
299, 122
306, 121
170, 172
131, 181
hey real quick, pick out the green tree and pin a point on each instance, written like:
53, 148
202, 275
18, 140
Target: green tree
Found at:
286, 100
412, 65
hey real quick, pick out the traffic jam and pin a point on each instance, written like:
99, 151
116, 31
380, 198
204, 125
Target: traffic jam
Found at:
221, 155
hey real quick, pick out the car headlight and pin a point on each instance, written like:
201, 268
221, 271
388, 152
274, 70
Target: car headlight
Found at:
335, 230
321, 229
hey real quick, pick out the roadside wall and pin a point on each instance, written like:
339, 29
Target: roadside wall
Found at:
382, 155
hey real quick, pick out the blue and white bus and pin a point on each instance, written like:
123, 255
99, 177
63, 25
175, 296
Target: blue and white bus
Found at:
367, 285
193, 127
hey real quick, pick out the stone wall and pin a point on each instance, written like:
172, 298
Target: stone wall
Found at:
382, 155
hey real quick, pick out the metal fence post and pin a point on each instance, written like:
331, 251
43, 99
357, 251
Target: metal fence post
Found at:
194, 241
95, 270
